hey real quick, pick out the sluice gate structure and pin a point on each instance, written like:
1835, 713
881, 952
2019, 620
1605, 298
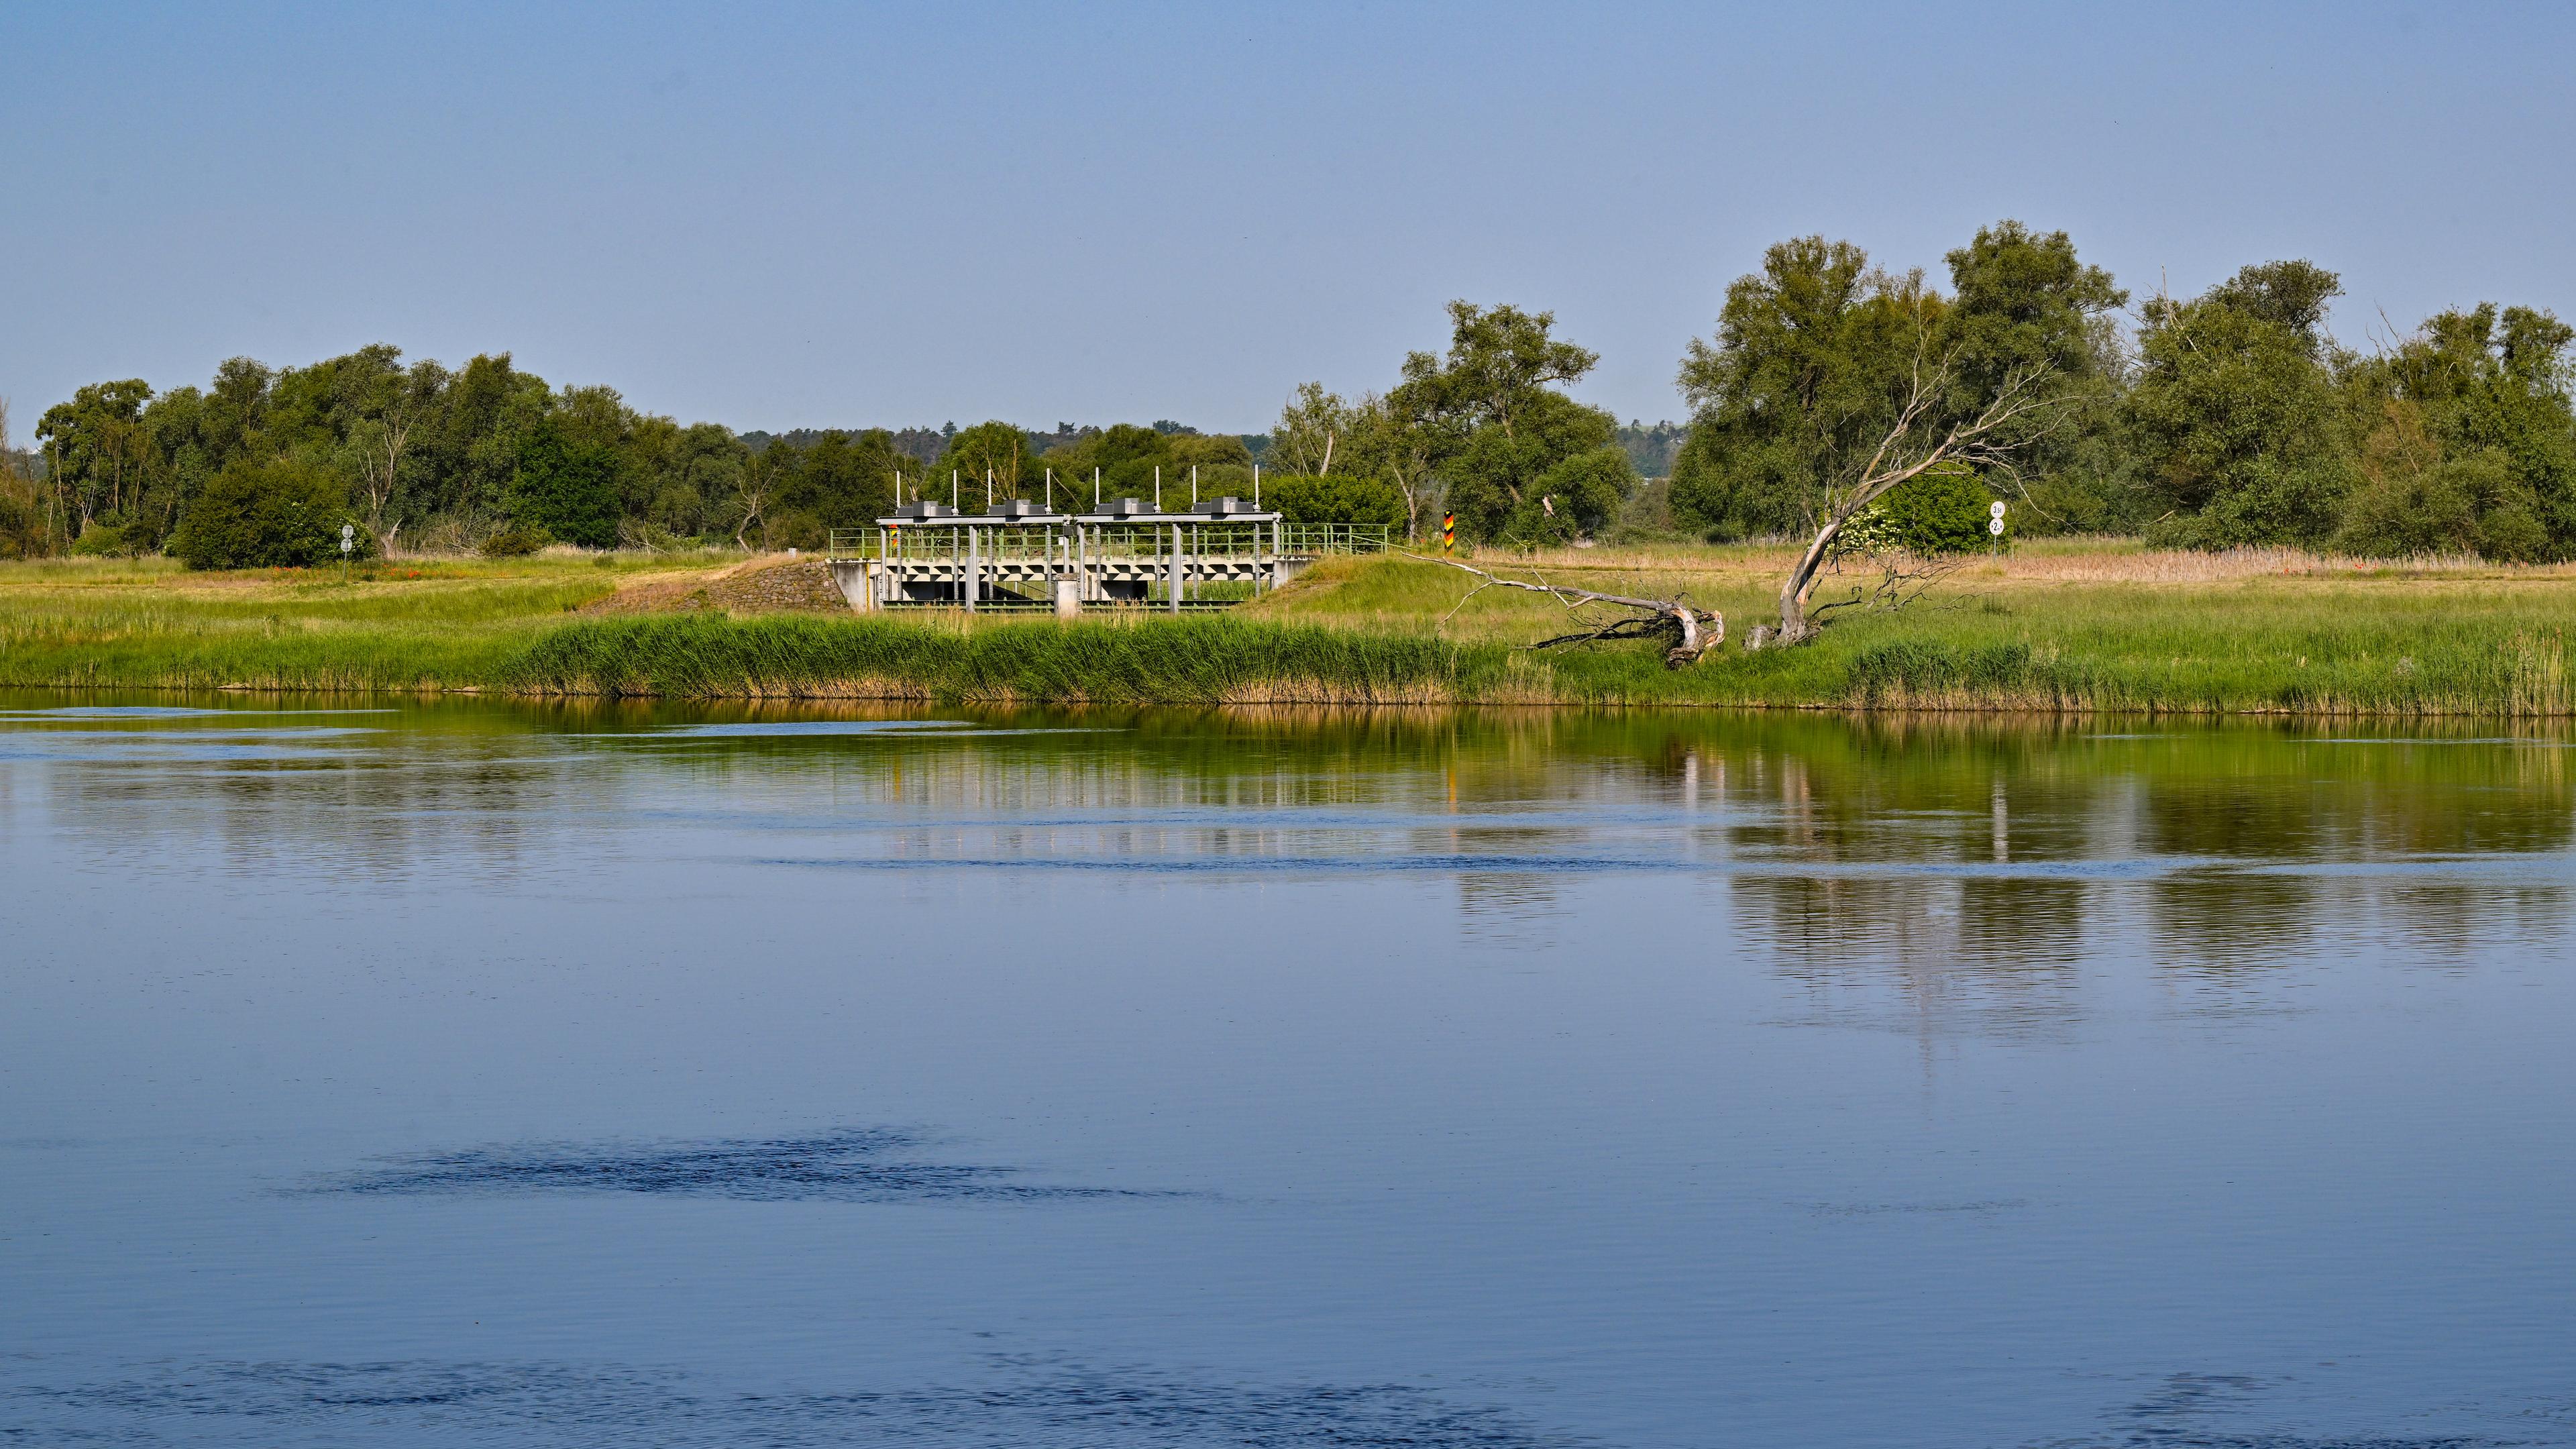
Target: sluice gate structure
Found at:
1020, 555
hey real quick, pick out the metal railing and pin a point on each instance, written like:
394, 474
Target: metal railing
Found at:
993, 543
1305, 540
1018, 543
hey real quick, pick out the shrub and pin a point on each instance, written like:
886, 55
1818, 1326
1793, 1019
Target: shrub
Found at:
2411, 513
1941, 512
1944, 511
2467, 505
100, 540
1333, 498
281, 514
2270, 503
2513, 534
516, 541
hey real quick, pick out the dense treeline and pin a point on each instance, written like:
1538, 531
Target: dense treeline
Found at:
2228, 418
487, 455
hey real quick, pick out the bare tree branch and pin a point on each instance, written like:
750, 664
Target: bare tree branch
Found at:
1694, 631
2022, 410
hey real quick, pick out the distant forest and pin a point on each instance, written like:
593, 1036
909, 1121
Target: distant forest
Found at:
2233, 417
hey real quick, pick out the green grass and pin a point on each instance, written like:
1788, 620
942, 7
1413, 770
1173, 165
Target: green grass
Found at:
1182, 661
2068, 628
151, 625
2061, 629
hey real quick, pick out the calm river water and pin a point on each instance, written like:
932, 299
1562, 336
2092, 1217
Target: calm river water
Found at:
473, 1074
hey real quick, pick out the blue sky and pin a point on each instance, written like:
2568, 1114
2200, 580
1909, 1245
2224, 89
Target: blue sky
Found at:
778, 216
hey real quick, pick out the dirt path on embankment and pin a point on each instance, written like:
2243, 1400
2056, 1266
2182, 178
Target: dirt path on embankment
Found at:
767, 584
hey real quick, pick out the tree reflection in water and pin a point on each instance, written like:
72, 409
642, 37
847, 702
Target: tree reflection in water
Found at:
1969, 872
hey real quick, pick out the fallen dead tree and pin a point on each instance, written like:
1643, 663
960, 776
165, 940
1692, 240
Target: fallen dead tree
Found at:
1693, 631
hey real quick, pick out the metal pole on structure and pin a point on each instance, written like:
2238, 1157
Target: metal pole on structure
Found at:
1158, 488
974, 569
1050, 490
1095, 488
988, 488
1174, 588
1256, 487
952, 487
1194, 485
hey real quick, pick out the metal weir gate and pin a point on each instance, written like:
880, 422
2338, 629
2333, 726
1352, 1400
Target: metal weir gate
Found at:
1018, 556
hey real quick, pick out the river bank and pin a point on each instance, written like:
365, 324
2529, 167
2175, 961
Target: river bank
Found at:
2054, 628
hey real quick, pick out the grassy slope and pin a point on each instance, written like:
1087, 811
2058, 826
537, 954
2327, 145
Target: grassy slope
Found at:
2058, 626
2063, 626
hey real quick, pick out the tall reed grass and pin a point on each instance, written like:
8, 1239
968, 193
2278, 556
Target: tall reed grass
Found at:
1189, 661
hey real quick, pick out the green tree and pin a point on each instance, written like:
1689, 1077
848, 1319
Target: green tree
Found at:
1338, 498
2023, 301
23, 532
378, 409
2235, 415
683, 476
284, 513
1503, 430
1125, 456
2468, 440
179, 461
236, 412
1555, 476
473, 444
1391, 441
565, 486
1314, 426
96, 448
1812, 360
837, 480
994, 450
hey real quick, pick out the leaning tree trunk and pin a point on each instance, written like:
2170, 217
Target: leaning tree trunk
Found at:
1985, 440
1795, 627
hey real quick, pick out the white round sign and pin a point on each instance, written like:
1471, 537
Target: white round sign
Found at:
1995, 526
1994, 510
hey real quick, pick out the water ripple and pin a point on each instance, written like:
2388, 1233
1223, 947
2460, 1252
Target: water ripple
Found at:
862, 1164
1038, 1400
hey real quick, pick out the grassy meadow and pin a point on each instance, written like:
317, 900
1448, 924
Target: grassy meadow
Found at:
2055, 626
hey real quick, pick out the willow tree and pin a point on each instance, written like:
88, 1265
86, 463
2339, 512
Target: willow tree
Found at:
1831, 383
2016, 413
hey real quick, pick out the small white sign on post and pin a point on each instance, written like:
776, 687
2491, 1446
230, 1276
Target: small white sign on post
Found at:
1995, 526
348, 537
1995, 509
